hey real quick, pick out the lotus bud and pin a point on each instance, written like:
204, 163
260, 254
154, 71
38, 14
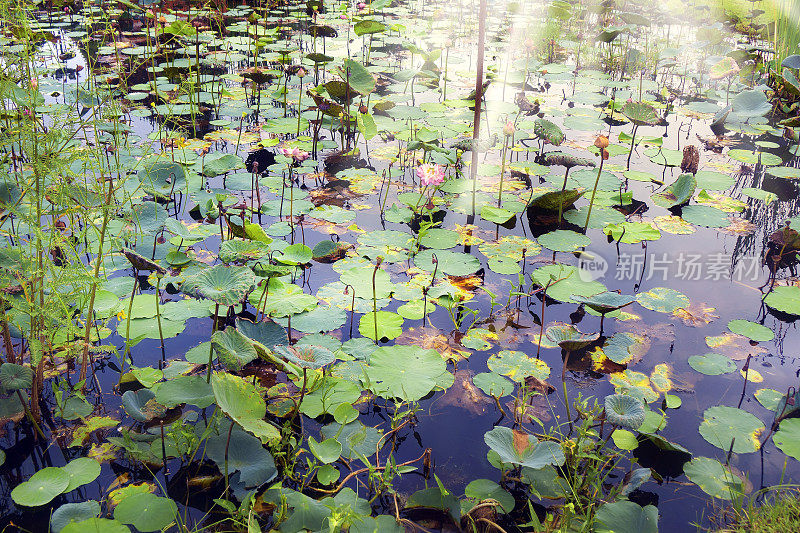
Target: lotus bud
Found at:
378, 261
509, 128
301, 72
601, 142
691, 160
363, 109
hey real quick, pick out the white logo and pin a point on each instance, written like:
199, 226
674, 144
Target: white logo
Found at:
591, 266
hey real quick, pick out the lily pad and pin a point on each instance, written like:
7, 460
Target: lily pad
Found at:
716, 479
722, 424
406, 372
624, 411
712, 364
519, 448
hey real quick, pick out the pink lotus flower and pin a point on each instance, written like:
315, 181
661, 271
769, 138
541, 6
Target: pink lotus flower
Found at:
430, 174
361, 5
509, 128
294, 153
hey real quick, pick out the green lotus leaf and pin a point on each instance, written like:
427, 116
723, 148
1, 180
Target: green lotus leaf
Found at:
81, 470
98, 525
241, 401
406, 372
233, 349
785, 299
723, 426
519, 448
163, 178
568, 338
566, 160
517, 365
305, 355
238, 250
550, 200
640, 114
192, 390
714, 478
604, 302
73, 512
549, 132
15, 377
326, 451
384, 324
141, 405
626, 517
562, 240
146, 512
452, 263
751, 330
662, 300
245, 454
42, 487
632, 232
679, 193
565, 281
787, 438
266, 333
493, 384
624, 411
712, 364
479, 490
225, 285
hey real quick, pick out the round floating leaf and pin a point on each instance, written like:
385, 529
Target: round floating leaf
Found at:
568, 338
81, 470
326, 451
787, 438
785, 172
565, 281
233, 349
406, 372
389, 325
15, 377
440, 239
452, 263
192, 390
74, 512
632, 232
716, 479
722, 424
517, 365
751, 330
712, 364
306, 355
96, 525
754, 158
663, 300
140, 405
714, 181
626, 517
679, 193
625, 411
564, 240
624, 439
600, 217
486, 489
146, 512
605, 302
245, 454
42, 487
640, 113
493, 384
703, 215
549, 132
783, 298
225, 285
519, 448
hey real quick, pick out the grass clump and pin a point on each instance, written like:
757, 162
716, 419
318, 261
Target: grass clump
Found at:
779, 513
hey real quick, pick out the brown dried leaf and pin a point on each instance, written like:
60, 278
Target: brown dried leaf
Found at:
697, 314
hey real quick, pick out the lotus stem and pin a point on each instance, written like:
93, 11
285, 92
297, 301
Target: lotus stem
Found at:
211, 346
502, 170
564, 384
561, 199
158, 318
633, 143
128, 328
594, 191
